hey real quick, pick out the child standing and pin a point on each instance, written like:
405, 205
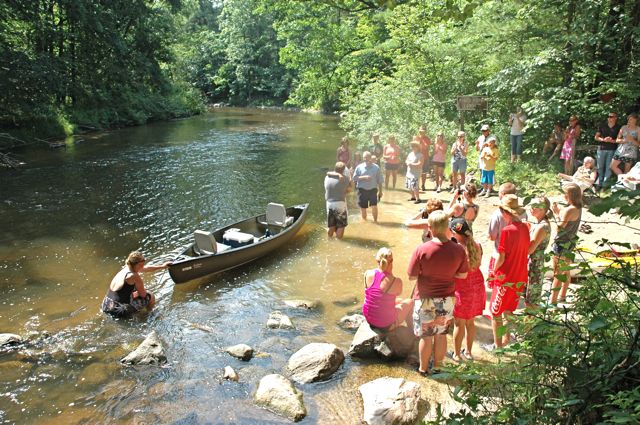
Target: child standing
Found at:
439, 153
470, 291
488, 156
539, 234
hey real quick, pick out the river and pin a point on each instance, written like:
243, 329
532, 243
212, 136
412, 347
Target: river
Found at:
70, 216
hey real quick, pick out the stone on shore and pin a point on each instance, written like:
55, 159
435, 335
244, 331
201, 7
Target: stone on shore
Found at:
8, 339
351, 322
277, 394
397, 344
315, 362
308, 304
230, 374
241, 351
150, 351
391, 401
277, 320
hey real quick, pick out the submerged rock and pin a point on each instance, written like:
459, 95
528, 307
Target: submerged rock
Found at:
397, 344
230, 374
241, 351
150, 351
347, 301
315, 362
277, 394
309, 305
8, 339
391, 401
277, 320
351, 321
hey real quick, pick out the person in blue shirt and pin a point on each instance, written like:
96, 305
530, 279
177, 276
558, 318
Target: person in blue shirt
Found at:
368, 179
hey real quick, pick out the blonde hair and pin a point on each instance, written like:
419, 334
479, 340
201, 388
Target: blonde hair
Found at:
574, 194
473, 252
382, 257
438, 222
134, 258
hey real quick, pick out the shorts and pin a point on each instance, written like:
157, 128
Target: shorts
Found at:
412, 183
367, 198
516, 144
426, 165
124, 310
487, 177
459, 165
337, 214
624, 159
391, 167
438, 164
433, 316
563, 249
503, 299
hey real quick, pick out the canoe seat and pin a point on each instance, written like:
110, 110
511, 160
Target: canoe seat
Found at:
277, 215
206, 244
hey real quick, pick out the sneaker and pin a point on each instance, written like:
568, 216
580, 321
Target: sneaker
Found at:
438, 189
411, 199
482, 192
486, 195
417, 201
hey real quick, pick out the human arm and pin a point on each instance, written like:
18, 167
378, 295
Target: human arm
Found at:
152, 268
538, 236
565, 215
465, 149
418, 223
578, 132
499, 260
140, 291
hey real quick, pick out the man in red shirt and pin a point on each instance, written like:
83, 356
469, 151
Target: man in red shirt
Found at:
425, 144
435, 264
510, 270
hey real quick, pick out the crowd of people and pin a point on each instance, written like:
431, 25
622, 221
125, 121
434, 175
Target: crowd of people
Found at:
450, 289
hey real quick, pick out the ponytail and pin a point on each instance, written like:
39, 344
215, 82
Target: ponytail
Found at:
383, 258
473, 252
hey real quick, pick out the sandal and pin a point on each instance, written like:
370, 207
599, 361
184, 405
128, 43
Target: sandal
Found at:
422, 372
467, 355
456, 358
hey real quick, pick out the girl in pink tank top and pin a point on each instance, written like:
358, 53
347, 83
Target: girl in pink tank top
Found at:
382, 308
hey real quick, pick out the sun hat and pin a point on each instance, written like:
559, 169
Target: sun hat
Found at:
460, 226
460, 133
510, 204
485, 127
490, 138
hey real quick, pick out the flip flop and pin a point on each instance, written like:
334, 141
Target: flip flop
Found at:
467, 355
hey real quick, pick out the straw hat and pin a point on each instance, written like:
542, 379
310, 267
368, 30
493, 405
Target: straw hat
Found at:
510, 204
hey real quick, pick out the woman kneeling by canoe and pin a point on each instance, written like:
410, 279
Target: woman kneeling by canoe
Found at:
382, 308
127, 294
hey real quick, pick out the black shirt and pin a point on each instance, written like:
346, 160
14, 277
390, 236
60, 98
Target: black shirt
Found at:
606, 131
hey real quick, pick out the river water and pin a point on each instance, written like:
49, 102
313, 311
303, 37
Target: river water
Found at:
70, 216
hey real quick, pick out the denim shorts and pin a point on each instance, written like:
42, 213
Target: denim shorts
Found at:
459, 165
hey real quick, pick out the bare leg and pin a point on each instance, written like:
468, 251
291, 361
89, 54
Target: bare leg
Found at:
496, 322
394, 174
458, 336
404, 309
340, 232
440, 349
557, 283
471, 334
506, 338
363, 213
425, 347
331, 231
454, 179
387, 174
374, 212
462, 179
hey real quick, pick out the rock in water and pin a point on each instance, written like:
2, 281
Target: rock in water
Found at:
150, 351
277, 394
315, 362
397, 344
230, 374
241, 351
351, 321
391, 401
10, 339
309, 305
277, 320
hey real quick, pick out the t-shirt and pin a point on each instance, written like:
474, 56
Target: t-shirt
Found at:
393, 152
435, 263
606, 131
414, 171
489, 164
496, 225
335, 189
364, 169
514, 243
517, 125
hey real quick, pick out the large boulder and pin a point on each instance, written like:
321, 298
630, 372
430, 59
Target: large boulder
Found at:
10, 339
240, 351
277, 320
391, 401
397, 344
277, 394
150, 351
351, 321
315, 362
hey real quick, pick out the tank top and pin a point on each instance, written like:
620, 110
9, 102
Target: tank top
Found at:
379, 307
457, 153
122, 295
568, 232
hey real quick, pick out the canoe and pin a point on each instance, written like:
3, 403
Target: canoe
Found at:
238, 243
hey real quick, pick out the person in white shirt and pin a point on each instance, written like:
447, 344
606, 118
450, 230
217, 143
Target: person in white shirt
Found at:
517, 123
